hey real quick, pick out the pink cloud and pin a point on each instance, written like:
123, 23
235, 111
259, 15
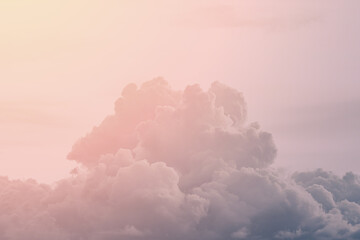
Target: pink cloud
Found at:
180, 165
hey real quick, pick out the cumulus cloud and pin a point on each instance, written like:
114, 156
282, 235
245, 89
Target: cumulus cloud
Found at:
180, 165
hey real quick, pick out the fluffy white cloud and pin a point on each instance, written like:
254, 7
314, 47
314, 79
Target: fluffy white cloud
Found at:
180, 165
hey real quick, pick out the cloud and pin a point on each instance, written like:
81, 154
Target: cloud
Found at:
180, 165
250, 14
118, 130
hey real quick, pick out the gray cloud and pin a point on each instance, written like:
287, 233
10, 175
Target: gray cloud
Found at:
180, 165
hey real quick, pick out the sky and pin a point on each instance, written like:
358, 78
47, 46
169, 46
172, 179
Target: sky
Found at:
215, 120
64, 64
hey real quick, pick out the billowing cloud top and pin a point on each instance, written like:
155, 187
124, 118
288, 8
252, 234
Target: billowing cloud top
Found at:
180, 165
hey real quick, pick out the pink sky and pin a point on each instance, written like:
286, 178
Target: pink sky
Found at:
64, 64
255, 96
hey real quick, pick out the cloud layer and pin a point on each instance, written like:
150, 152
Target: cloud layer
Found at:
180, 165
